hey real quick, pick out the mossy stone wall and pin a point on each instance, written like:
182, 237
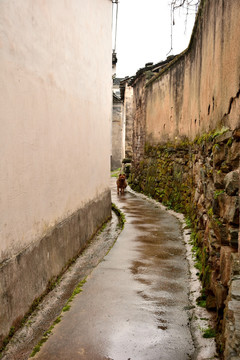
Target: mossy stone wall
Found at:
201, 180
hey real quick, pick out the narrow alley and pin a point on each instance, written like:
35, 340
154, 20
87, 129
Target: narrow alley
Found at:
89, 88
134, 303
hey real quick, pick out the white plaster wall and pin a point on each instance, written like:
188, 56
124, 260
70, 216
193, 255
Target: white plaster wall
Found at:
55, 86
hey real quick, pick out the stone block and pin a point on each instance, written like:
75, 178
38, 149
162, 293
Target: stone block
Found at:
214, 246
236, 265
221, 295
236, 290
214, 278
215, 207
239, 244
211, 303
197, 195
219, 155
225, 264
219, 291
233, 234
236, 134
204, 219
234, 154
231, 182
220, 231
209, 191
200, 205
218, 179
223, 137
229, 208
203, 175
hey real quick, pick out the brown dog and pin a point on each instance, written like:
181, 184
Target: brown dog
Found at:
121, 183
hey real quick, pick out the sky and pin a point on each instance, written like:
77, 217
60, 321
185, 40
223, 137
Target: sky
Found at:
144, 33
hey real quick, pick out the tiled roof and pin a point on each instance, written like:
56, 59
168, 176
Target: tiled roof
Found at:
116, 81
116, 98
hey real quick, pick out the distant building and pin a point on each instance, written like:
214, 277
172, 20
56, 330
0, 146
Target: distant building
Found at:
118, 128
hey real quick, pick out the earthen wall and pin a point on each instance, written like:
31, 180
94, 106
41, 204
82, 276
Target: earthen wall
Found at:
199, 90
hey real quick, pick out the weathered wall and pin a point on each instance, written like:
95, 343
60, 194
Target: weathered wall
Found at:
55, 85
139, 118
117, 134
128, 120
186, 147
200, 91
201, 179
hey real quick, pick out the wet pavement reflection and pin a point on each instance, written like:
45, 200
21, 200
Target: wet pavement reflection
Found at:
133, 304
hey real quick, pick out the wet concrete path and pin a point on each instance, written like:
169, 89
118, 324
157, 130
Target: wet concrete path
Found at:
133, 305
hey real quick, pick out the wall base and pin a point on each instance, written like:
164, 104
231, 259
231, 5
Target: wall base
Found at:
26, 276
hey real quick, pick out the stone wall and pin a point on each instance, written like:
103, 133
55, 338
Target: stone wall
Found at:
201, 180
55, 121
186, 153
231, 323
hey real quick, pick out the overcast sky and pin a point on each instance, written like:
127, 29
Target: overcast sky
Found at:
144, 33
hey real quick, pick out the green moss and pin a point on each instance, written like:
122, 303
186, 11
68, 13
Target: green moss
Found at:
215, 147
209, 333
197, 254
58, 319
203, 138
66, 307
217, 221
224, 167
201, 300
116, 172
219, 132
76, 291
102, 229
164, 174
217, 193
206, 276
210, 136
37, 348
188, 222
8, 338
210, 212
160, 177
120, 214
45, 337
202, 303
